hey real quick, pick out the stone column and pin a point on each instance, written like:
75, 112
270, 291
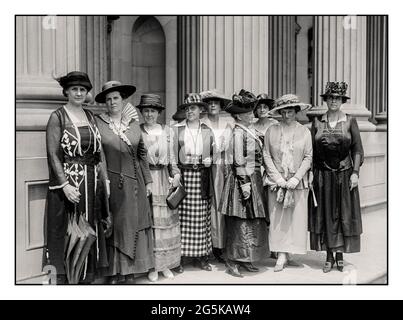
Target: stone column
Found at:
281, 54
340, 55
234, 53
48, 46
188, 55
377, 69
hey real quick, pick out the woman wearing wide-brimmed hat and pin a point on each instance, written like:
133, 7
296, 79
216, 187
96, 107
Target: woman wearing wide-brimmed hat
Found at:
242, 201
288, 158
73, 146
130, 247
193, 150
335, 225
165, 174
222, 129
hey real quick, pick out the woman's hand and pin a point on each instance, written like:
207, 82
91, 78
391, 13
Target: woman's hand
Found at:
353, 181
108, 226
148, 188
292, 183
207, 162
176, 180
246, 189
281, 183
71, 193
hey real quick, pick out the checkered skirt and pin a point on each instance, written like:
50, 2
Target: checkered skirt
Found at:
195, 218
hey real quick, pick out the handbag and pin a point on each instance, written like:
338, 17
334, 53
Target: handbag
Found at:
176, 196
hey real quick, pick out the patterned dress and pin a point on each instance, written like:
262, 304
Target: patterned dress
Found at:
190, 149
73, 158
167, 236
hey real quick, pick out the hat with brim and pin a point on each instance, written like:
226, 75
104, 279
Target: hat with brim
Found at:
179, 115
288, 101
75, 78
111, 86
214, 94
243, 102
264, 98
192, 99
151, 101
335, 89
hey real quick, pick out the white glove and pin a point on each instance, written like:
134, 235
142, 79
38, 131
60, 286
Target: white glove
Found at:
292, 183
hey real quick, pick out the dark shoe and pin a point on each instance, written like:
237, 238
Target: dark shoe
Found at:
179, 269
61, 279
273, 255
233, 270
203, 264
118, 279
249, 267
218, 255
339, 261
130, 279
328, 264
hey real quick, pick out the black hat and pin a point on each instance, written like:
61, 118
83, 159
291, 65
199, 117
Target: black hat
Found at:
243, 102
151, 101
264, 98
75, 78
336, 89
112, 86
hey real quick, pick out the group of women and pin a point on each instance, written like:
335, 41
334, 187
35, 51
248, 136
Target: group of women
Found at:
247, 182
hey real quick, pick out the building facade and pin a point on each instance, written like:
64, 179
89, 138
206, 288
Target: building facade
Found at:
173, 55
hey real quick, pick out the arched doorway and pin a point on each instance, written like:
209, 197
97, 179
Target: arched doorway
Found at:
148, 59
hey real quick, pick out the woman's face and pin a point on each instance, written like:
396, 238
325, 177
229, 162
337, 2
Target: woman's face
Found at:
193, 112
334, 103
288, 114
246, 118
150, 115
262, 111
214, 107
114, 102
76, 94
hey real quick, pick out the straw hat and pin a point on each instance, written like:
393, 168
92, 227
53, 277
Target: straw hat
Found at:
111, 86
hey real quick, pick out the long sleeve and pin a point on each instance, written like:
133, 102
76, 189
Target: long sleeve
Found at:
54, 153
313, 133
103, 170
239, 158
357, 151
271, 169
143, 161
173, 164
307, 158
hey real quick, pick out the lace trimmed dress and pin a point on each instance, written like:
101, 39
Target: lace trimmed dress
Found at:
165, 222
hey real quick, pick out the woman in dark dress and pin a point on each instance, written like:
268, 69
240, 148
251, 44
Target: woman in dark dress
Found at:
243, 201
130, 247
73, 147
335, 224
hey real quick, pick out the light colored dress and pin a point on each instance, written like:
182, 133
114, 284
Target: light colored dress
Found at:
288, 153
165, 222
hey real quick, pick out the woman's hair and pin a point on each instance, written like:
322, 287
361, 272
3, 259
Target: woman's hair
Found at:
142, 110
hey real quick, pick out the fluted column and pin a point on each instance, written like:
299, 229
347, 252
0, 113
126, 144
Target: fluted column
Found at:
93, 59
340, 55
234, 53
282, 56
188, 55
377, 69
45, 45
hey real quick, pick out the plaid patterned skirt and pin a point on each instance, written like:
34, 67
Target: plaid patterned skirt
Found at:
194, 217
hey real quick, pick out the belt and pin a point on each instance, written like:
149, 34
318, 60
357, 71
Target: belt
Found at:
86, 159
157, 166
194, 166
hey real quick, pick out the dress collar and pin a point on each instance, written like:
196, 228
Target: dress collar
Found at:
343, 118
